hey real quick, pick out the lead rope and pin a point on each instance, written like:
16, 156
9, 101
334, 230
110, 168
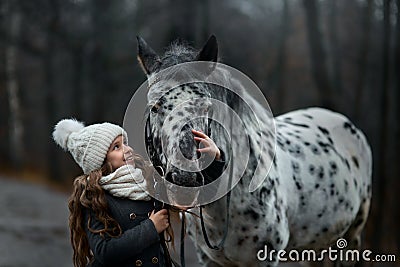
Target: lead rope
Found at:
158, 205
228, 201
183, 231
203, 228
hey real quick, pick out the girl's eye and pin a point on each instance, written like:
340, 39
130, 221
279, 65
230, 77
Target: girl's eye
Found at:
116, 147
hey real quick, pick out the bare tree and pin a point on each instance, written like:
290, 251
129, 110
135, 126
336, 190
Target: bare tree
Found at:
101, 58
202, 16
317, 52
282, 56
397, 115
51, 88
335, 47
13, 20
383, 197
363, 57
182, 20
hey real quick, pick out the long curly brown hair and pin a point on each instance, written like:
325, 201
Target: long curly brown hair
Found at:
88, 194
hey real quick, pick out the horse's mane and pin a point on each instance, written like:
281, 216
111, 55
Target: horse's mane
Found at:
179, 51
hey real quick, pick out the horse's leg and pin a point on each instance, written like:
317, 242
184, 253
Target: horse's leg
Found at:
353, 235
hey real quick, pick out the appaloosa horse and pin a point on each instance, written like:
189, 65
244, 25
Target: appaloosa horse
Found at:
317, 190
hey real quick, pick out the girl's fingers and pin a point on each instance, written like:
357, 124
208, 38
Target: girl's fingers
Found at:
206, 149
204, 142
201, 139
198, 133
209, 145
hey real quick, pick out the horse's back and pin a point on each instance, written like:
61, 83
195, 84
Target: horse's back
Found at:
347, 140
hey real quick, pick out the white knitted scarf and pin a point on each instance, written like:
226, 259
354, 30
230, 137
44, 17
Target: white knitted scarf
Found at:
126, 182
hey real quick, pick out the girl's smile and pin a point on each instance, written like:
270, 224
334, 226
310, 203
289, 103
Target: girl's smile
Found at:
129, 159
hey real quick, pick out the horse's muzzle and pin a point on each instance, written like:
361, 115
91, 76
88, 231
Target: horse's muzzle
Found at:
185, 178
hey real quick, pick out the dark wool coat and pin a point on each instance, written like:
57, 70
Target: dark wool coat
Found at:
139, 244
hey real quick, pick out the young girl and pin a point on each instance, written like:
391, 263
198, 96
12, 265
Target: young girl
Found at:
112, 219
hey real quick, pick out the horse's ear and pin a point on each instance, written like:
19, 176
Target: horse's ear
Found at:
148, 59
209, 52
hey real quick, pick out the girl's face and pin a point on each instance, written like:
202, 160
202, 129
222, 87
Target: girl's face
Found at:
120, 153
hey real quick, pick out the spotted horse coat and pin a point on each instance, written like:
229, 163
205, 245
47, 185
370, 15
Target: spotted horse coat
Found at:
317, 190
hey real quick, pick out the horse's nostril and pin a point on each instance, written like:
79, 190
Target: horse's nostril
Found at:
200, 179
168, 177
171, 177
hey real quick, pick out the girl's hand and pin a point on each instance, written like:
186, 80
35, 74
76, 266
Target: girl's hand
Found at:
209, 146
160, 220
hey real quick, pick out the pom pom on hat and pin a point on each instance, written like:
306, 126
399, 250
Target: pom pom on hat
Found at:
63, 129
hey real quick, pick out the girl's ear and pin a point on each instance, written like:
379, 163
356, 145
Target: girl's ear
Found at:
209, 52
148, 59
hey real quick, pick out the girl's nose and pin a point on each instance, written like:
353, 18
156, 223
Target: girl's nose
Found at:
128, 149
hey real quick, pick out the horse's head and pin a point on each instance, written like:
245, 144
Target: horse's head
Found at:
173, 111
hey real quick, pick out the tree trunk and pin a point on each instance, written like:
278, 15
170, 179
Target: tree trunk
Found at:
77, 80
397, 115
203, 21
182, 22
51, 102
13, 20
317, 52
335, 48
363, 58
282, 57
100, 74
383, 236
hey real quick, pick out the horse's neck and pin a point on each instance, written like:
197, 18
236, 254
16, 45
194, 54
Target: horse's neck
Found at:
217, 209
259, 156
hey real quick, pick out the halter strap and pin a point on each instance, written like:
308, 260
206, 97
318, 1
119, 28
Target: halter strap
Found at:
158, 205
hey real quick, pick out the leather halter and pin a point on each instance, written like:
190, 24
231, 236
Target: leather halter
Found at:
150, 148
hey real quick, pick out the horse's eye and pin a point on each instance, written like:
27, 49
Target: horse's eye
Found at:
155, 108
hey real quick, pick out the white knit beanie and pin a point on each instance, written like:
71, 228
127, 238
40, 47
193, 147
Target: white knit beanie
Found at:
88, 145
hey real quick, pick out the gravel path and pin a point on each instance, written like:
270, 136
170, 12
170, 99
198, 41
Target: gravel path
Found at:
33, 226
